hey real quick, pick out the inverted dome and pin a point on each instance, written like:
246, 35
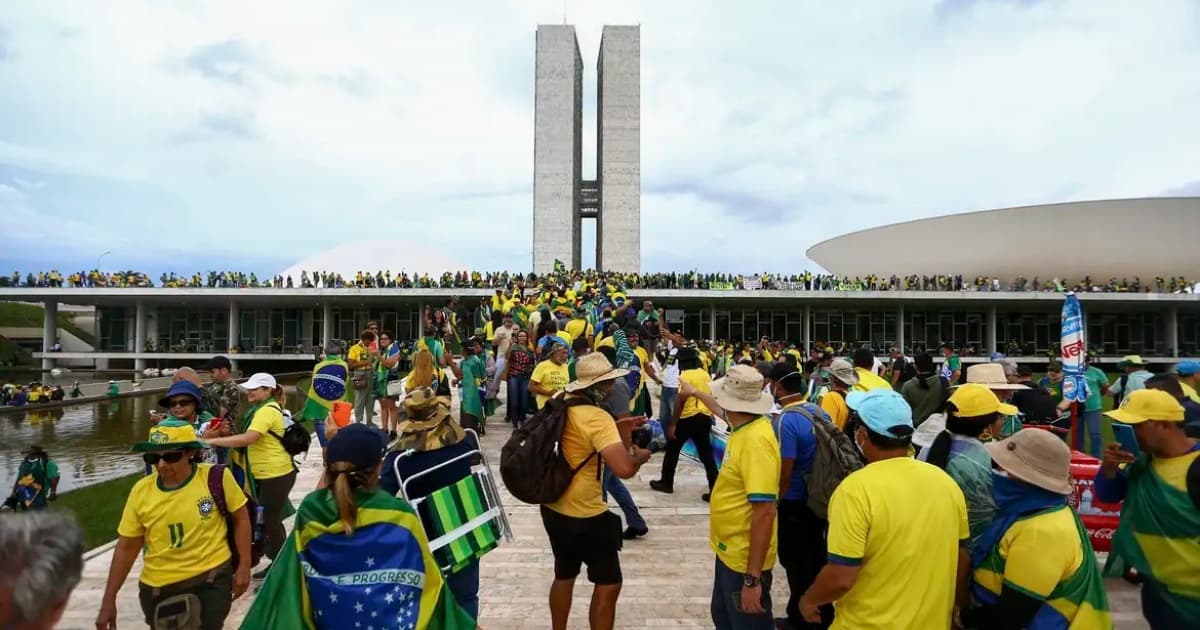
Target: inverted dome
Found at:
371, 256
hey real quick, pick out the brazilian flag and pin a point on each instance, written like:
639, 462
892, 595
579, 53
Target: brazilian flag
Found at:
559, 266
327, 387
382, 575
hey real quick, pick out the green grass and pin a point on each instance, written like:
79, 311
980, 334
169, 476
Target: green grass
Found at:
12, 354
98, 507
31, 316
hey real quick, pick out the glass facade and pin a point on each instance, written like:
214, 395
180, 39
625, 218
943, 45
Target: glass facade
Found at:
112, 324
924, 331
402, 321
1116, 334
191, 330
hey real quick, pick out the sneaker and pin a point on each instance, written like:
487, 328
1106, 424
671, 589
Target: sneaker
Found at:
631, 533
659, 486
261, 573
706, 497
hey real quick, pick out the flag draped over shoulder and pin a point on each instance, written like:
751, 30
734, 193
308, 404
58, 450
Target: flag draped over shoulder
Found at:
382, 576
327, 387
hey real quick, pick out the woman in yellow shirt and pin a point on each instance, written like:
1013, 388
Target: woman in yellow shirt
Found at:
187, 567
425, 374
550, 376
272, 468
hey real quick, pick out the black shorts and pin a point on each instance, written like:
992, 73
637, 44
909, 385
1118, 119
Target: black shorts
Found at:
594, 541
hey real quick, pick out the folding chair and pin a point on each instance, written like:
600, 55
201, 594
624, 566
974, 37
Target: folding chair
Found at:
468, 516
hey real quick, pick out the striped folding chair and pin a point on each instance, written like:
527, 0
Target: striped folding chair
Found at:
467, 518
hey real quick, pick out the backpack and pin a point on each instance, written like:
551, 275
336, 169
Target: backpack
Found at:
216, 488
532, 463
835, 458
295, 439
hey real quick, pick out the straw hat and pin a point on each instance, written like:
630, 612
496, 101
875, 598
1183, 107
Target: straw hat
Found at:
591, 369
1038, 458
992, 375
741, 391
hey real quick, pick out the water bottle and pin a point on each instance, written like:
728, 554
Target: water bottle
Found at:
258, 525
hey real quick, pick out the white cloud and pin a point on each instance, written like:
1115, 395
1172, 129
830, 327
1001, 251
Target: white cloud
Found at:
765, 129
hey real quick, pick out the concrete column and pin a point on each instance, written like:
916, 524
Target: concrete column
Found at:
151, 324
139, 337
1172, 325
805, 323
49, 332
991, 330
235, 322
130, 331
306, 326
900, 327
326, 323
712, 322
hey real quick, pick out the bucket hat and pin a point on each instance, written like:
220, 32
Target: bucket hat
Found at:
181, 388
1038, 458
990, 375
741, 391
429, 425
843, 371
591, 369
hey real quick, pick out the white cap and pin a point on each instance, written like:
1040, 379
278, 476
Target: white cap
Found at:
262, 379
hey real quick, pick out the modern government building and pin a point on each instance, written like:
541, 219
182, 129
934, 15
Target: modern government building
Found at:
1127, 238
137, 326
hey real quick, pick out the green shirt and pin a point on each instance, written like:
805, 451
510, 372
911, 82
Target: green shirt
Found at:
1097, 380
474, 375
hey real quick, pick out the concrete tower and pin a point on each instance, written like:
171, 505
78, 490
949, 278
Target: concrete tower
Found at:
561, 197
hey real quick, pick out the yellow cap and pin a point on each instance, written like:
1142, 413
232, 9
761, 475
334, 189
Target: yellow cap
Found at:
973, 400
1147, 404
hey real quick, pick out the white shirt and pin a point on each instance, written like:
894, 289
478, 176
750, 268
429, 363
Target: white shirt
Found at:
671, 371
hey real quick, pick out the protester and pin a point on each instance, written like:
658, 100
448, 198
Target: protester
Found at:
617, 406
670, 377
1133, 379
518, 368
1191, 409
361, 358
327, 387
689, 421
580, 527
926, 392
41, 562
362, 556
221, 396
993, 377
901, 368
175, 523
868, 379
550, 376
1035, 403
1033, 566
1097, 386
897, 532
270, 466
37, 481
1189, 377
502, 340
428, 442
388, 372
427, 373
1159, 534
472, 376
951, 365
742, 517
839, 377
183, 403
801, 532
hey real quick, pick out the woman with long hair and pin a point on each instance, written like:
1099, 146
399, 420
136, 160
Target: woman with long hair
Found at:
351, 529
426, 373
389, 358
518, 367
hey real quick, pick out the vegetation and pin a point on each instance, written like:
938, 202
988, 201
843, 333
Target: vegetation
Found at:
98, 507
31, 315
12, 354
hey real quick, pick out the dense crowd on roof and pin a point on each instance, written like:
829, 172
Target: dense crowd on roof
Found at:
807, 281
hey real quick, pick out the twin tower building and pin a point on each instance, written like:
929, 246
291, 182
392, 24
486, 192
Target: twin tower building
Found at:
562, 197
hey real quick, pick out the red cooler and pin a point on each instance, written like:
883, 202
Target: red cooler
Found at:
1100, 519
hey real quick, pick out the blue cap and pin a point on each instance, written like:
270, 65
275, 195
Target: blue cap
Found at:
1188, 368
357, 444
996, 356
181, 388
883, 411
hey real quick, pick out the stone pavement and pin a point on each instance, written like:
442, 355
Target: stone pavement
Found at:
668, 574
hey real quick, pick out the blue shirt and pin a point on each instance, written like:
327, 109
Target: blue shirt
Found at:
798, 443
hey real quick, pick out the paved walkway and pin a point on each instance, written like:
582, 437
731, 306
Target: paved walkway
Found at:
668, 574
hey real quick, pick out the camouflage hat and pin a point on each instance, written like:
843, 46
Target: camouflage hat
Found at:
429, 426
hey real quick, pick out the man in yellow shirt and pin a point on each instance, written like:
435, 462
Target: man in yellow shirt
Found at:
742, 516
581, 529
868, 380
897, 532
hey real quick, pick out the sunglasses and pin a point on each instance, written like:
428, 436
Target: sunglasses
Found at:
180, 402
171, 457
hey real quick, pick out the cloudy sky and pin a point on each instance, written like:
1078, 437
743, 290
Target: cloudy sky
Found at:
191, 135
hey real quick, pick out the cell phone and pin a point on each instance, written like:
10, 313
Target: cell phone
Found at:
1126, 438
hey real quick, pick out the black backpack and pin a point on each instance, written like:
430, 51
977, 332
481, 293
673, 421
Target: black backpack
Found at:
295, 439
532, 463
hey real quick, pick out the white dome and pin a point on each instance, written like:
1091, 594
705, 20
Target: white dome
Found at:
372, 256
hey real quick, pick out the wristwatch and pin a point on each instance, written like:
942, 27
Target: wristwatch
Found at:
750, 581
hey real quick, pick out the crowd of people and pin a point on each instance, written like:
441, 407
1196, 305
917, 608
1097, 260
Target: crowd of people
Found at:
807, 281
907, 493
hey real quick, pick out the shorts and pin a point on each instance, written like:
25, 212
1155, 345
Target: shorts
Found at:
594, 541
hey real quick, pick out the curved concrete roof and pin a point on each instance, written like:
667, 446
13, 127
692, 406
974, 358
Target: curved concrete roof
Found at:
1109, 238
370, 256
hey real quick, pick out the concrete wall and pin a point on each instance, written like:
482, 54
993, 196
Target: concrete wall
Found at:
618, 139
557, 151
